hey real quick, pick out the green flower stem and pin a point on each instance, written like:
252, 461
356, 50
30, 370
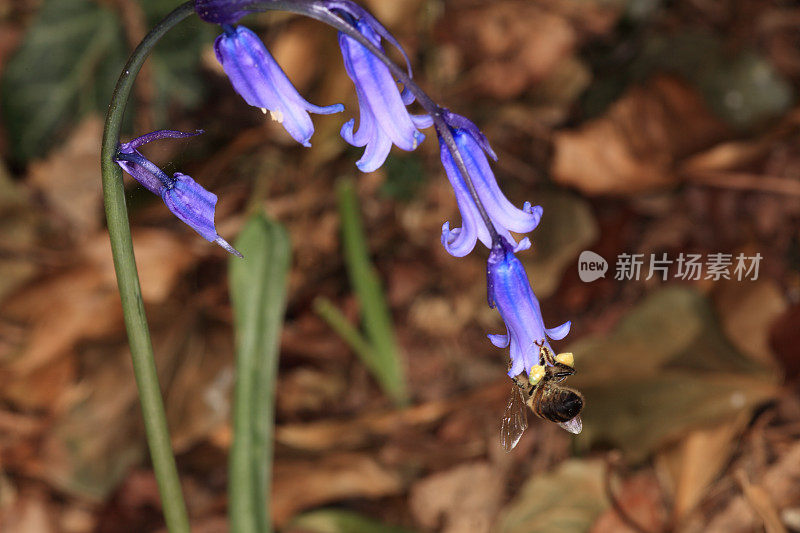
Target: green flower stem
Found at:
144, 368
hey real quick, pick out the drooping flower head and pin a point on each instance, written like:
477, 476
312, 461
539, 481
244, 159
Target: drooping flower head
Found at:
510, 291
183, 196
473, 147
383, 117
258, 78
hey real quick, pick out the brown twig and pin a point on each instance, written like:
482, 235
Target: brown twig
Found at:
744, 182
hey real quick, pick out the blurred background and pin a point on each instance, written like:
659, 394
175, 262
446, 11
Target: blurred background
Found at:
648, 127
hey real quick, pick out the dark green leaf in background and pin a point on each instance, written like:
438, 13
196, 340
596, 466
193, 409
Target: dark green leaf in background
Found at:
69, 61
56, 75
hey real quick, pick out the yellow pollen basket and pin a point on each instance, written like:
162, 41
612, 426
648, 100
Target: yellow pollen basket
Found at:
566, 359
536, 374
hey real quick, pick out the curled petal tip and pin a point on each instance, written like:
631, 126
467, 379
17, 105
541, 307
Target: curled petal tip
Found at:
559, 332
500, 340
346, 131
449, 241
384, 119
227, 247
524, 244
535, 210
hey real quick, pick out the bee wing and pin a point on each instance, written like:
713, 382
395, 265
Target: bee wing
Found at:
574, 426
515, 420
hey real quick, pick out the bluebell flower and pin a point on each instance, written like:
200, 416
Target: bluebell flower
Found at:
473, 147
183, 196
510, 291
258, 78
383, 117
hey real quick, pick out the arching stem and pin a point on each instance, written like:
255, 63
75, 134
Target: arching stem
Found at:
144, 368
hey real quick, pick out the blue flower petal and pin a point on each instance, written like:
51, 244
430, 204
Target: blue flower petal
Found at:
258, 78
504, 216
192, 204
187, 200
559, 332
383, 117
510, 291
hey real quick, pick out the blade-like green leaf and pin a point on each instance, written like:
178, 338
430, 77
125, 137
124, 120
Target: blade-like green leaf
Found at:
258, 291
386, 366
347, 331
339, 521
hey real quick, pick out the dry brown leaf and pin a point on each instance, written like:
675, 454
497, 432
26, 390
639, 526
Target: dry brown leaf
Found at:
42, 387
296, 49
465, 498
665, 369
161, 257
760, 501
641, 499
568, 228
392, 12
747, 311
307, 390
302, 484
692, 464
31, 513
200, 393
517, 45
566, 500
635, 146
785, 340
19, 219
69, 179
83, 302
725, 156
781, 484
75, 456
349, 434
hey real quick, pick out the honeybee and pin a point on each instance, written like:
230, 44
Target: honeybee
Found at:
543, 393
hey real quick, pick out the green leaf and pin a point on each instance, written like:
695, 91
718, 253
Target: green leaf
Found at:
338, 521
386, 365
57, 74
258, 292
